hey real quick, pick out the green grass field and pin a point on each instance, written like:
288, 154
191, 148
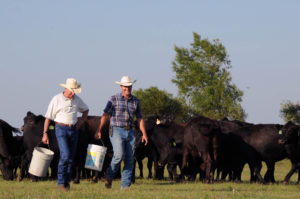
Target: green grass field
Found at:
148, 188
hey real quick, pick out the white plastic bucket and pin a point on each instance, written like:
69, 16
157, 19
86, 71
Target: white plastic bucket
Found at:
41, 159
95, 157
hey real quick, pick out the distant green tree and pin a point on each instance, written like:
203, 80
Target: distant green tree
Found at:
159, 103
204, 81
290, 112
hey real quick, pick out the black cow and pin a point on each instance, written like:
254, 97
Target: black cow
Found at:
235, 153
32, 135
168, 141
141, 150
201, 141
290, 139
263, 138
228, 152
10, 150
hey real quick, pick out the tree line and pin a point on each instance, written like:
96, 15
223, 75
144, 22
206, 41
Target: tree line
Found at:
205, 87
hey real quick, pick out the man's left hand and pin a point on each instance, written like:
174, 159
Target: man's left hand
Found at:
145, 139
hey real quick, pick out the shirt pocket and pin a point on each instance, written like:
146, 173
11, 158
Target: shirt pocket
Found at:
131, 109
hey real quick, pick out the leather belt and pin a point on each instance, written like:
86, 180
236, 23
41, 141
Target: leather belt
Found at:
126, 127
62, 124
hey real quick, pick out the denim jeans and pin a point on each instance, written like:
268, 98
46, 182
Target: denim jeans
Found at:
67, 138
123, 142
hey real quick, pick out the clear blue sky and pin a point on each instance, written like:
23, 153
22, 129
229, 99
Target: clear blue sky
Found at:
97, 42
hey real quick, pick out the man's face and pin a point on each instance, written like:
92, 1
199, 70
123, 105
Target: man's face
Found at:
69, 94
126, 91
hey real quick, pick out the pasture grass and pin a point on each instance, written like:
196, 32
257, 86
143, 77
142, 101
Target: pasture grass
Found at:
148, 188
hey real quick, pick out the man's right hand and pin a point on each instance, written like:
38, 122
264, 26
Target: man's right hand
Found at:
45, 138
98, 135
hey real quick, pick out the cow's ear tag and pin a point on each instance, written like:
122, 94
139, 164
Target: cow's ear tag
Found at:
51, 127
280, 132
174, 144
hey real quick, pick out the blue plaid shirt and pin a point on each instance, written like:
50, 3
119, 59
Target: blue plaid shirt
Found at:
122, 111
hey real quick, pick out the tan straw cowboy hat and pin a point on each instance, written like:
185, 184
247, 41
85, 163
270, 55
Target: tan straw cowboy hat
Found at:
125, 81
72, 85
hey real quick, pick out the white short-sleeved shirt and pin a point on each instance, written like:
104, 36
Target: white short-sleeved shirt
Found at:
64, 110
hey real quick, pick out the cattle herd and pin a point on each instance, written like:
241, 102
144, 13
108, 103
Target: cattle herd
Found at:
214, 150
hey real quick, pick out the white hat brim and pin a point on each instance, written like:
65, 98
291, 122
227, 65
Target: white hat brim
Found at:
74, 90
125, 83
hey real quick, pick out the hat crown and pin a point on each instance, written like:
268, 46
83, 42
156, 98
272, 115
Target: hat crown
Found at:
71, 83
126, 79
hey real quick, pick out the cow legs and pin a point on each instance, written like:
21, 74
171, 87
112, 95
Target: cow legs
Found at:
184, 162
95, 177
158, 171
298, 175
133, 171
172, 171
24, 167
208, 168
140, 163
295, 166
269, 176
156, 175
257, 169
237, 172
149, 165
77, 175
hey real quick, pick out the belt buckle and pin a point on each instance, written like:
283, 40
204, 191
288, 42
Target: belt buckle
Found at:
126, 127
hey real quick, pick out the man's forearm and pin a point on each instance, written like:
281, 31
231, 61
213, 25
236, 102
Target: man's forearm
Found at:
85, 114
103, 120
46, 125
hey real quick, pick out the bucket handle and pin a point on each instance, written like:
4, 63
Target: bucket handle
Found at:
101, 141
43, 143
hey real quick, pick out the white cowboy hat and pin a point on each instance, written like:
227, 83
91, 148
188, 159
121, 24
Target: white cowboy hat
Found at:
72, 85
125, 81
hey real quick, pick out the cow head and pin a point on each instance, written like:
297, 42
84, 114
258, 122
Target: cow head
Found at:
150, 123
33, 122
289, 133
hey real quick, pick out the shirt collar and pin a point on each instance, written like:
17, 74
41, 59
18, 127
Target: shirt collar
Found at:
65, 98
131, 96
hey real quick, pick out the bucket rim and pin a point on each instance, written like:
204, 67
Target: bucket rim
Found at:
43, 150
95, 146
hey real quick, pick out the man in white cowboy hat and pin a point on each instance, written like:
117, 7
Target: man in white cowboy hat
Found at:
121, 109
63, 109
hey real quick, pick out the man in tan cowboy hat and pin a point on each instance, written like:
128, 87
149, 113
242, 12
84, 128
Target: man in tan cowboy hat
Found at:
121, 109
63, 109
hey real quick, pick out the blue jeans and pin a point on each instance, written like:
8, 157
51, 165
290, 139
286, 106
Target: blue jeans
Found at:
123, 142
67, 139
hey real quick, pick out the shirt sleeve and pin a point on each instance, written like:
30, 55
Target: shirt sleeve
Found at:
51, 113
138, 112
109, 107
81, 105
